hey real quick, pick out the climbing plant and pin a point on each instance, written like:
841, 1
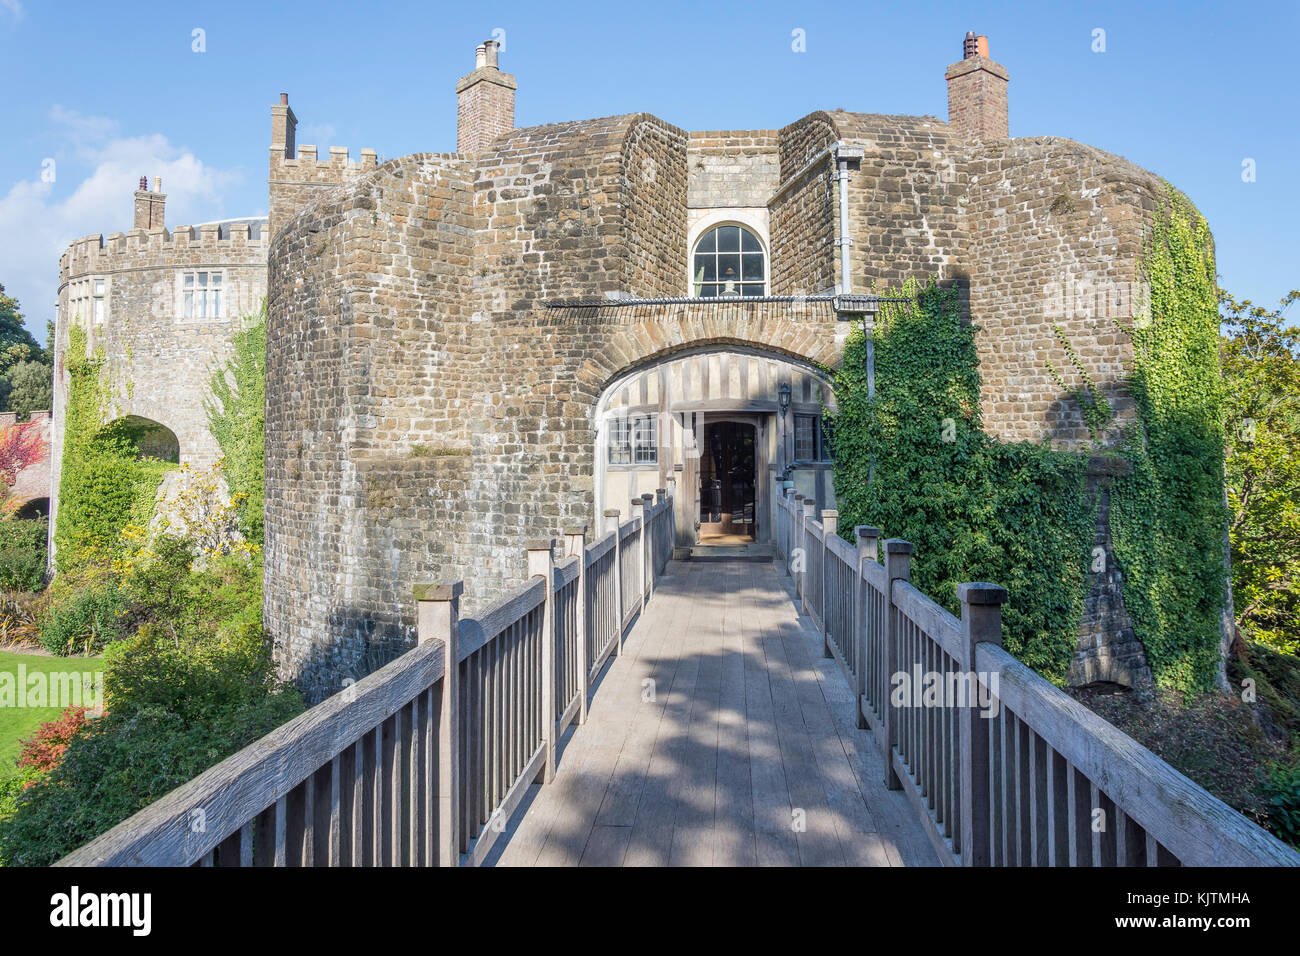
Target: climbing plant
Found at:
976, 509
1168, 516
104, 484
237, 419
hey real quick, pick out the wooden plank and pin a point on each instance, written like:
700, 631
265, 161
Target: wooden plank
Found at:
243, 785
1197, 827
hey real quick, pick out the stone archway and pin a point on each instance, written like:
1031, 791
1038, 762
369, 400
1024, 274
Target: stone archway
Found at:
650, 423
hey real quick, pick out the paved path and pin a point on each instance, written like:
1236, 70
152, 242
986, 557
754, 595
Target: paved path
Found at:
720, 737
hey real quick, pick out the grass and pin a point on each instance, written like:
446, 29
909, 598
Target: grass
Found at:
20, 723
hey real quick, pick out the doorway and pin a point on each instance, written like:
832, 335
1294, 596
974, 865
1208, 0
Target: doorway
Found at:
728, 487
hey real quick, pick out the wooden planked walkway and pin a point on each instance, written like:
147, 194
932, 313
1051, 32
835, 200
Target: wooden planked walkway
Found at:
720, 737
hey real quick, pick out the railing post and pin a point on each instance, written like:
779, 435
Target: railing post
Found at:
541, 562
981, 621
575, 542
867, 539
796, 544
830, 525
647, 551
661, 524
671, 491
638, 511
809, 506
898, 567
611, 524
437, 618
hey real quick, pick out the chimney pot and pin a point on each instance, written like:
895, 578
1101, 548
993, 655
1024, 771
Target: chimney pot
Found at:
157, 184
490, 48
977, 93
284, 99
480, 56
144, 184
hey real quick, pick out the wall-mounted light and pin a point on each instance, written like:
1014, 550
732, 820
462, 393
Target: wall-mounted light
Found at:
783, 397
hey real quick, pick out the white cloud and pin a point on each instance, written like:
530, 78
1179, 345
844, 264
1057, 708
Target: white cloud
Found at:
38, 219
14, 7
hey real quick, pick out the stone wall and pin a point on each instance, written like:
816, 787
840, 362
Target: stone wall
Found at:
1056, 234
733, 168
294, 181
804, 217
159, 364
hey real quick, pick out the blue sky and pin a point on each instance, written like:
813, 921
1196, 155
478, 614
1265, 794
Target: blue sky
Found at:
113, 91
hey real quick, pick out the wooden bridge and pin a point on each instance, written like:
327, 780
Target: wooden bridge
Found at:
621, 708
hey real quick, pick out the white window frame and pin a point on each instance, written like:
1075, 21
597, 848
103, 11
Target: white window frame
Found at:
201, 295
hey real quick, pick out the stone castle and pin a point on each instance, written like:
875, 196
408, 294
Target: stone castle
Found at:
469, 349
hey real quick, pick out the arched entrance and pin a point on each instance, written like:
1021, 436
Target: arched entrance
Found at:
719, 427
152, 439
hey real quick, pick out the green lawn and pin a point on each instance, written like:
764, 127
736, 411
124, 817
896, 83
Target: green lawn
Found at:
19, 723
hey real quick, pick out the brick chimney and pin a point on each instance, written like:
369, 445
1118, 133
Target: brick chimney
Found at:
977, 93
485, 101
284, 128
150, 205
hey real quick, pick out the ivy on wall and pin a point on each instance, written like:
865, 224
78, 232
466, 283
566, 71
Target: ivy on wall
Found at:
976, 509
1168, 517
104, 485
237, 419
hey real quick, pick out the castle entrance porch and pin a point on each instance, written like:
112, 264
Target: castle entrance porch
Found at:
719, 427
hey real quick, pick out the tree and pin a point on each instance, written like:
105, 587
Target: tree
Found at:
31, 387
1261, 367
12, 330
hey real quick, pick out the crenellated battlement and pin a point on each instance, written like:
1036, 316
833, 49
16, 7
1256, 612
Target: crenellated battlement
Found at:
339, 158
234, 242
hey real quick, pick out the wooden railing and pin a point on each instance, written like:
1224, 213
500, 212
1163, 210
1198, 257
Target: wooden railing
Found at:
424, 761
1001, 767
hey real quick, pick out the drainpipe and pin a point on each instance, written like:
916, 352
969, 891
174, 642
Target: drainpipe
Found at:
846, 156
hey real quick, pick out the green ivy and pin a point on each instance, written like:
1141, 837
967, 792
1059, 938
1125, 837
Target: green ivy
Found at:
237, 419
976, 509
104, 485
1168, 517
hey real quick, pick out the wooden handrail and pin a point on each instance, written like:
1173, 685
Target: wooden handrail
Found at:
1036, 779
413, 762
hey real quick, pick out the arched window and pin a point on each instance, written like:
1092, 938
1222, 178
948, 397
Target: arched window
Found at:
728, 262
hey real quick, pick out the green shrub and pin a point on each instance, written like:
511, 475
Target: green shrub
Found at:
23, 554
184, 692
1282, 802
86, 621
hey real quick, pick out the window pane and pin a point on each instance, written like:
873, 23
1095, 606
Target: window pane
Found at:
216, 303
619, 446
645, 445
753, 267
728, 238
99, 287
99, 310
709, 292
201, 300
216, 280
203, 278
752, 289
189, 305
803, 437
709, 243
706, 268
189, 280
728, 268
749, 242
